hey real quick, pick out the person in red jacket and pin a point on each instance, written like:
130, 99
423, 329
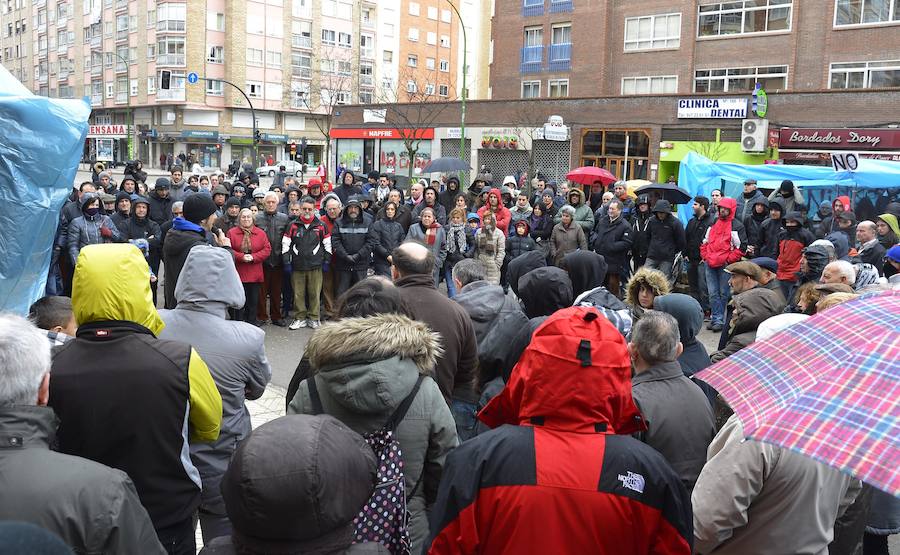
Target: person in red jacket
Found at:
792, 239
562, 475
250, 248
725, 242
501, 213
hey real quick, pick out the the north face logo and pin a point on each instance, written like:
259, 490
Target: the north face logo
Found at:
632, 481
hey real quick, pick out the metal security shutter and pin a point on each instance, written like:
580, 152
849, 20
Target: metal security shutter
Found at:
503, 162
551, 158
450, 149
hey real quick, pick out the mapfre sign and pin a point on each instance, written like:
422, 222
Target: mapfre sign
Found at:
108, 131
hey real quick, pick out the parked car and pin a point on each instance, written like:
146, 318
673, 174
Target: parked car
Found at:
290, 166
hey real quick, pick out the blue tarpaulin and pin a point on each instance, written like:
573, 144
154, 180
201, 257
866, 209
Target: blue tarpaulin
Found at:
699, 176
41, 142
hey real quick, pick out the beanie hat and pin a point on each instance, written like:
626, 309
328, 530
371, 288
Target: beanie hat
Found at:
162, 183
233, 201
137, 199
787, 186
198, 207
894, 253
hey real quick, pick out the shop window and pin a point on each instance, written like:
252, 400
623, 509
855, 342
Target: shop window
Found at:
624, 152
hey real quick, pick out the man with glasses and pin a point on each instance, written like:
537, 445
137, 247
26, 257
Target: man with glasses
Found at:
304, 249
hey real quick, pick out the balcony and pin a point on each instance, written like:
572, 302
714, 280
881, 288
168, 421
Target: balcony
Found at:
121, 97
43, 78
532, 8
299, 41
366, 81
176, 60
560, 6
170, 94
122, 35
96, 69
367, 53
301, 72
560, 57
121, 5
39, 3
62, 48
42, 53
170, 26
96, 100
121, 68
367, 24
63, 75
96, 41
532, 59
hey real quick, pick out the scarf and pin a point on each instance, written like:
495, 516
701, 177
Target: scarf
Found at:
430, 232
246, 248
181, 224
457, 243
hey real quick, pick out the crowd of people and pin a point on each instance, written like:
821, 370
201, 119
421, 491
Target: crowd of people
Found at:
546, 402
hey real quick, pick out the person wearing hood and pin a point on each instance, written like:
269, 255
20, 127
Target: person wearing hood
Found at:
751, 308
545, 290
123, 210
840, 244
567, 236
846, 223
129, 400
744, 203
520, 266
351, 245
495, 206
430, 200
364, 366
829, 222
199, 216
792, 241
679, 418
665, 238
386, 234
220, 196
823, 215
519, 242
490, 247
686, 310
788, 194
295, 485
460, 245
91, 228
235, 354
161, 201
584, 216
291, 195
888, 230
447, 198
432, 234
725, 242
813, 260
767, 242
347, 187
230, 218
753, 227
587, 272
613, 241
139, 227
644, 286
559, 473
541, 225
521, 211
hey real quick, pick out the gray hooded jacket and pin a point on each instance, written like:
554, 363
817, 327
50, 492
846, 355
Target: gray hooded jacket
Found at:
234, 352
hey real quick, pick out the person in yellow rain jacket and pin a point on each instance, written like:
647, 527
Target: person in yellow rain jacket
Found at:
129, 400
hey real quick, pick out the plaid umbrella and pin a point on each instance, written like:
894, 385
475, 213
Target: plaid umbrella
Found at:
828, 387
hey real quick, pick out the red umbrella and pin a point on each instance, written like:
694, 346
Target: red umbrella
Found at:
587, 175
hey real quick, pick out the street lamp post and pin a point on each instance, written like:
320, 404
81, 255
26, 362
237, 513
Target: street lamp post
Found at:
462, 108
128, 114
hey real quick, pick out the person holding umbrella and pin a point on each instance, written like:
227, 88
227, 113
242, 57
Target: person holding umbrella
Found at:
665, 238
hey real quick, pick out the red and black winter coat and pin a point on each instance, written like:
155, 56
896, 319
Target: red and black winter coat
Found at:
554, 476
791, 242
305, 245
726, 239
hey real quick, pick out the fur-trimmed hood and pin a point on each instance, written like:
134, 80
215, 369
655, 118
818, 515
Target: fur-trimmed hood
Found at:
352, 340
654, 278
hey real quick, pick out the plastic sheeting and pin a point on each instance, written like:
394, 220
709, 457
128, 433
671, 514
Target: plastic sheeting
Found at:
699, 176
41, 142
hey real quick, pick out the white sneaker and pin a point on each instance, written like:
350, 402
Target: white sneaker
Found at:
297, 324
314, 324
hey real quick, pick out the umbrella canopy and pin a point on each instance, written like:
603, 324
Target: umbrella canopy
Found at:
446, 165
828, 387
672, 193
587, 175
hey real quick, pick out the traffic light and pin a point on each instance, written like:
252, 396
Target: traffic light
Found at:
293, 148
165, 79
257, 136
218, 146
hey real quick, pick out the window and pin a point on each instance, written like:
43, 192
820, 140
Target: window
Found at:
256, 24
655, 31
411, 86
133, 87
110, 90
558, 88
444, 90
367, 46
444, 66
865, 75
771, 78
387, 56
432, 13
862, 12
171, 17
215, 21
661, 84
345, 40
413, 8
531, 89
254, 89
561, 34
387, 29
413, 34
170, 51
151, 85
214, 88
366, 72
327, 66
431, 38
151, 52
273, 58
151, 20
445, 16
366, 97
328, 36
216, 55
329, 8
274, 27
445, 41
745, 16
344, 68
330, 98
429, 63
301, 8
429, 89
412, 60
534, 36
254, 57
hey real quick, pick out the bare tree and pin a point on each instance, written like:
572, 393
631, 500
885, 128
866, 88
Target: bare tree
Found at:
528, 121
710, 150
412, 107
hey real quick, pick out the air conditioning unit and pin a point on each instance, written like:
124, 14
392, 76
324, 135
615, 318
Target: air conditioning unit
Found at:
754, 135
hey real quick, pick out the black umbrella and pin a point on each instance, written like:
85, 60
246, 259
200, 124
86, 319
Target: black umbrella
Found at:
440, 165
672, 193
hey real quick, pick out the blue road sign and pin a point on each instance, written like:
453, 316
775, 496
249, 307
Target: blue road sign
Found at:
192, 78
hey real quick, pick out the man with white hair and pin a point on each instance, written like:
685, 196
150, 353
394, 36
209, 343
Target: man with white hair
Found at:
93, 508
839, 271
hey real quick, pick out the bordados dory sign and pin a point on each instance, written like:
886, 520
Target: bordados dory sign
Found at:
712, 108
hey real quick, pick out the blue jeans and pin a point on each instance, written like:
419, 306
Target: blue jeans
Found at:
719, 291
464, 416
448, 277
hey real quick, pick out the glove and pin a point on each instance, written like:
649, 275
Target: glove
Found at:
105, 232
